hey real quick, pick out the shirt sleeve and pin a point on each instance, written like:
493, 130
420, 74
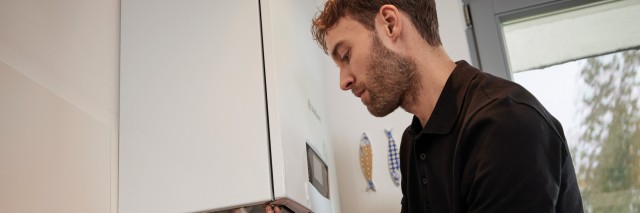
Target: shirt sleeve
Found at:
515, 160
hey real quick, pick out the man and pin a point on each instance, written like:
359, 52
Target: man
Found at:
477, 143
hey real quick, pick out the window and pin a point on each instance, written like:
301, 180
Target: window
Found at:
581, 59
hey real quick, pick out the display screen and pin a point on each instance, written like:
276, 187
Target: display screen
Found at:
318, 172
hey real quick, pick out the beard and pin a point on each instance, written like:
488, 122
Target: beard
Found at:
393, 80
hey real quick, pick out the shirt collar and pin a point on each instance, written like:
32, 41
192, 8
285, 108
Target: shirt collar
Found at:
449, 103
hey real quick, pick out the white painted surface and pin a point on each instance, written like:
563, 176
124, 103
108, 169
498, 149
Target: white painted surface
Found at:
348, 118
452, 29
59, 105
53, 156
69, 47
193, 117
295, 69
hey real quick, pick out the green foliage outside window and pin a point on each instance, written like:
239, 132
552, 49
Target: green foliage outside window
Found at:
608, 154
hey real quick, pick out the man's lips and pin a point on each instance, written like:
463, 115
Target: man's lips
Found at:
358, 94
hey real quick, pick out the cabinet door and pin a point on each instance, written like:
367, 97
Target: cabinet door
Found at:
193, 132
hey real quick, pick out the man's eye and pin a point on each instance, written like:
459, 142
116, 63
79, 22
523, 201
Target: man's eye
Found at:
346, 57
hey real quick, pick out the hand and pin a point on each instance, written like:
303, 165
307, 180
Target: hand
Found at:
275, 209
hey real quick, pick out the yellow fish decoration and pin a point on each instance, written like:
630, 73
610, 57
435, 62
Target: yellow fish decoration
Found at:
366, 161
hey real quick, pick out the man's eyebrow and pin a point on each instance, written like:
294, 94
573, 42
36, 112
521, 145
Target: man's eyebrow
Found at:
334, 52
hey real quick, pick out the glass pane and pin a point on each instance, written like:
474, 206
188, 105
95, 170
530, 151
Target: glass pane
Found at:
590, 82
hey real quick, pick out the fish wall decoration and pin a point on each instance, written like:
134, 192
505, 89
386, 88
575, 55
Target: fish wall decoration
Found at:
366, 156
394, 159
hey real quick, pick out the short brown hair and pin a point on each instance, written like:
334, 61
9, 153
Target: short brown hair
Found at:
422, 13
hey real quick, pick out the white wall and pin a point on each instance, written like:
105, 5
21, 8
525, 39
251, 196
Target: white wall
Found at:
58, 105
348, 118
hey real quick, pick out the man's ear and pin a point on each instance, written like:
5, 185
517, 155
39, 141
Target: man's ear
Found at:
388, 19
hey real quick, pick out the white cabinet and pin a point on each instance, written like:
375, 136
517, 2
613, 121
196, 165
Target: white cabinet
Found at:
193, 132
195, 112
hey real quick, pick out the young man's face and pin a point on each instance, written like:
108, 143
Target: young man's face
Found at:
381, 78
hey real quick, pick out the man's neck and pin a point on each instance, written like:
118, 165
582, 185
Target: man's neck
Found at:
434, 66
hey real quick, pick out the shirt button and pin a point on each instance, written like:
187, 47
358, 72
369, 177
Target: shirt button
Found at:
424, 180
423, 156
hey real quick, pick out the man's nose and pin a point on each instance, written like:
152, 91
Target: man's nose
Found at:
346, 80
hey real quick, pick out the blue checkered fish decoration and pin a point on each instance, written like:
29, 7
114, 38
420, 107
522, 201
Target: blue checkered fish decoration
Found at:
394, 159
366, 156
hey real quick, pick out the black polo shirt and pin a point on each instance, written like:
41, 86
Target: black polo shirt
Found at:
489, 146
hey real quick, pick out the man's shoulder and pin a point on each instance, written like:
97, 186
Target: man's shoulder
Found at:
498, 88
495, 94
488, 89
